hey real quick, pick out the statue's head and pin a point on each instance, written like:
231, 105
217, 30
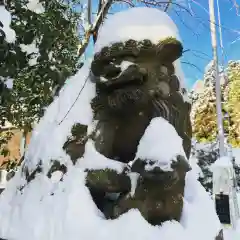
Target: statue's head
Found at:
135, 76
130, 75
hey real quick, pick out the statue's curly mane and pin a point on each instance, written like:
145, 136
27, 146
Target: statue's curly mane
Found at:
147, 85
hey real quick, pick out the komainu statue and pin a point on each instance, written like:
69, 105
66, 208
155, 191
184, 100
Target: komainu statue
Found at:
135, 83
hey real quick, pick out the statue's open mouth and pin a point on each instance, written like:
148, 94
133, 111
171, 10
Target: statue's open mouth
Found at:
131, 77
117, 84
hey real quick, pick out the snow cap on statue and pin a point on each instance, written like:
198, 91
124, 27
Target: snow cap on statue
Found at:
137, 23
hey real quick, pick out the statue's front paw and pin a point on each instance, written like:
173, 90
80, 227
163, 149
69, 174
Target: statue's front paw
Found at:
168, 175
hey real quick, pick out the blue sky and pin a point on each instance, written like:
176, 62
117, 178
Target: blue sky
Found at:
196, 37
195, 34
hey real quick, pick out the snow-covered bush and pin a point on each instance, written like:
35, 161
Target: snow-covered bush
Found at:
36, 56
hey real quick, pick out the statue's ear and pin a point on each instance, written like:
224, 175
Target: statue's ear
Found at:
169, 49
183, 163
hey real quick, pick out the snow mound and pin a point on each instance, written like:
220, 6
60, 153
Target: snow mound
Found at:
69, 213
224, 161
5, 18
137, 23
160, 143
72, 106
199, 215
35, 6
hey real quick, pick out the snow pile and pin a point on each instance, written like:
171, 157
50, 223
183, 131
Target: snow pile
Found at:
224, 161
199, 216
8, 82
35, 6
229, 234
58, 121
94, 160
32, 51
160, 143
5, 19
193, 161
139, 23
69, 213
144, 23
50, 209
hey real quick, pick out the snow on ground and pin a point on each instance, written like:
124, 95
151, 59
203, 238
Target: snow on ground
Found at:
195, 167
58, 210
229, 233
199, 211
224, 161
5, 18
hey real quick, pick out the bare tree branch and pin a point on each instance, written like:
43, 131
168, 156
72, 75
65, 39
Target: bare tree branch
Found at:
128, 2
236, 6
180, 18
168, 5
192, 65
101, 15
159, 3
93, 29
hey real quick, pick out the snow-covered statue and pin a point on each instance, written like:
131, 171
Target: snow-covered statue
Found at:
114, 144
136, 82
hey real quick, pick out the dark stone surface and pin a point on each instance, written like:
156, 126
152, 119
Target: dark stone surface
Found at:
75, 144
220, 236
130, 99
135, 82
158, 194
56, 166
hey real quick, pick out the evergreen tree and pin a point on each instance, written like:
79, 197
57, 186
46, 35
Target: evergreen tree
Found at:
35, 65
42, 57
232, 98
206, 155
204, 114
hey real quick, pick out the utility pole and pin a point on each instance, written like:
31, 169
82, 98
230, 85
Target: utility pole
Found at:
227, 173
217, 79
